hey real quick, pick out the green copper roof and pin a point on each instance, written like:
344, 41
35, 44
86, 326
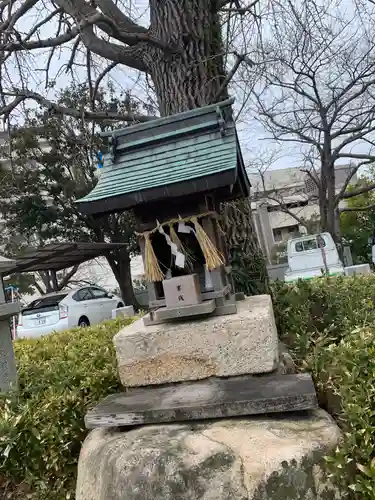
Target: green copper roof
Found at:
165, 152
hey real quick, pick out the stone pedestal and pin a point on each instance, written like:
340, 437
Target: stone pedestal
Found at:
8, 370
221, 346
123, 311
198, 373
278, 458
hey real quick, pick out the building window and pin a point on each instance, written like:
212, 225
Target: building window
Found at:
310, 186
284, 233
277, 235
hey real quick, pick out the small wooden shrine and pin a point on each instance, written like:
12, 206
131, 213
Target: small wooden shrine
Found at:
174, 172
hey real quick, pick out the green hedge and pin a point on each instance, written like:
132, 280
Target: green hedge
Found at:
42, 429
329, 323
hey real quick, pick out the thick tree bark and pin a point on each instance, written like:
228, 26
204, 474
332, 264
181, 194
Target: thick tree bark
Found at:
327, 200
192, 74
191, 78
119, 262
248, 266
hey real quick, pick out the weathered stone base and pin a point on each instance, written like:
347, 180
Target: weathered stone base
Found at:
216, 346
278, 458
123, 311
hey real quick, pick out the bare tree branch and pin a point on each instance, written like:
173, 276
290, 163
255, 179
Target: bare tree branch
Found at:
230, 75
317, 90
346, 183
221, 5
40, 44
70, 64
63, 283
21, 95
286, 210
100, 79
360, 190
357, 209
110, 9
11, 21
130, 56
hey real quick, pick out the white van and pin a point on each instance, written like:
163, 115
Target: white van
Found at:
312, 256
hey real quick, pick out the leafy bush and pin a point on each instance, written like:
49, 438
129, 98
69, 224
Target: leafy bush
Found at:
333, 304
42, 428
329, 323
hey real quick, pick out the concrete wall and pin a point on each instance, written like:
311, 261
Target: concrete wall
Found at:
277, 271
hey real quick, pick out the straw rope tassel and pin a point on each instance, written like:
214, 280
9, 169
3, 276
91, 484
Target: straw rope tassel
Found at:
211, 255
152, 269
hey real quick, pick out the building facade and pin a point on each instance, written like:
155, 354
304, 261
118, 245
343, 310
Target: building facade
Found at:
277, 195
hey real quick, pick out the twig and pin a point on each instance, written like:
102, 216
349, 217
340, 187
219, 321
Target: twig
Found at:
100, 78
230, 75
69, 66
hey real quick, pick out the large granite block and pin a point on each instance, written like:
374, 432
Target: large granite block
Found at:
221, 346
262, 458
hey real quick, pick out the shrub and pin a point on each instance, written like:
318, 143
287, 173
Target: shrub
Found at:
333, 304
329, 324
344, 373
42, 427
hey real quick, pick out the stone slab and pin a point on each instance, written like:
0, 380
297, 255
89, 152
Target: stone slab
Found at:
278, 457
6, 264
216, 346
123, 311
358, 269
206, 399
9, 309
8, 370
164, 314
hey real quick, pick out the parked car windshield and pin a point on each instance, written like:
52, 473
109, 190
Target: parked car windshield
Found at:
44, 303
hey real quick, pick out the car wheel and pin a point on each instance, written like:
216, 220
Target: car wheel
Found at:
83, 322
120, 304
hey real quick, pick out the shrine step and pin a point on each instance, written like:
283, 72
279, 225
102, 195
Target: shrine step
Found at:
205, 399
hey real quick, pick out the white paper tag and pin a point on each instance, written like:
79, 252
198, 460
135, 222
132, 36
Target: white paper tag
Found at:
173, 246
183, 228
180, 260
207, 278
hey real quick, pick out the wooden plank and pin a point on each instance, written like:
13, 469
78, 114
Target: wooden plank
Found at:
206, 399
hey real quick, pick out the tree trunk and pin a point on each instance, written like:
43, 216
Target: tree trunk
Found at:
331, 207
46, 279
119, 262
329, 221
248, 266
191, 76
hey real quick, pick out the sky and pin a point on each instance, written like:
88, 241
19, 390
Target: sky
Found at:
258, 149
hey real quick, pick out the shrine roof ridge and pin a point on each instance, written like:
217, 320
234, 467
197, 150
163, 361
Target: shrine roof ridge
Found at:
193, 152
157, 122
